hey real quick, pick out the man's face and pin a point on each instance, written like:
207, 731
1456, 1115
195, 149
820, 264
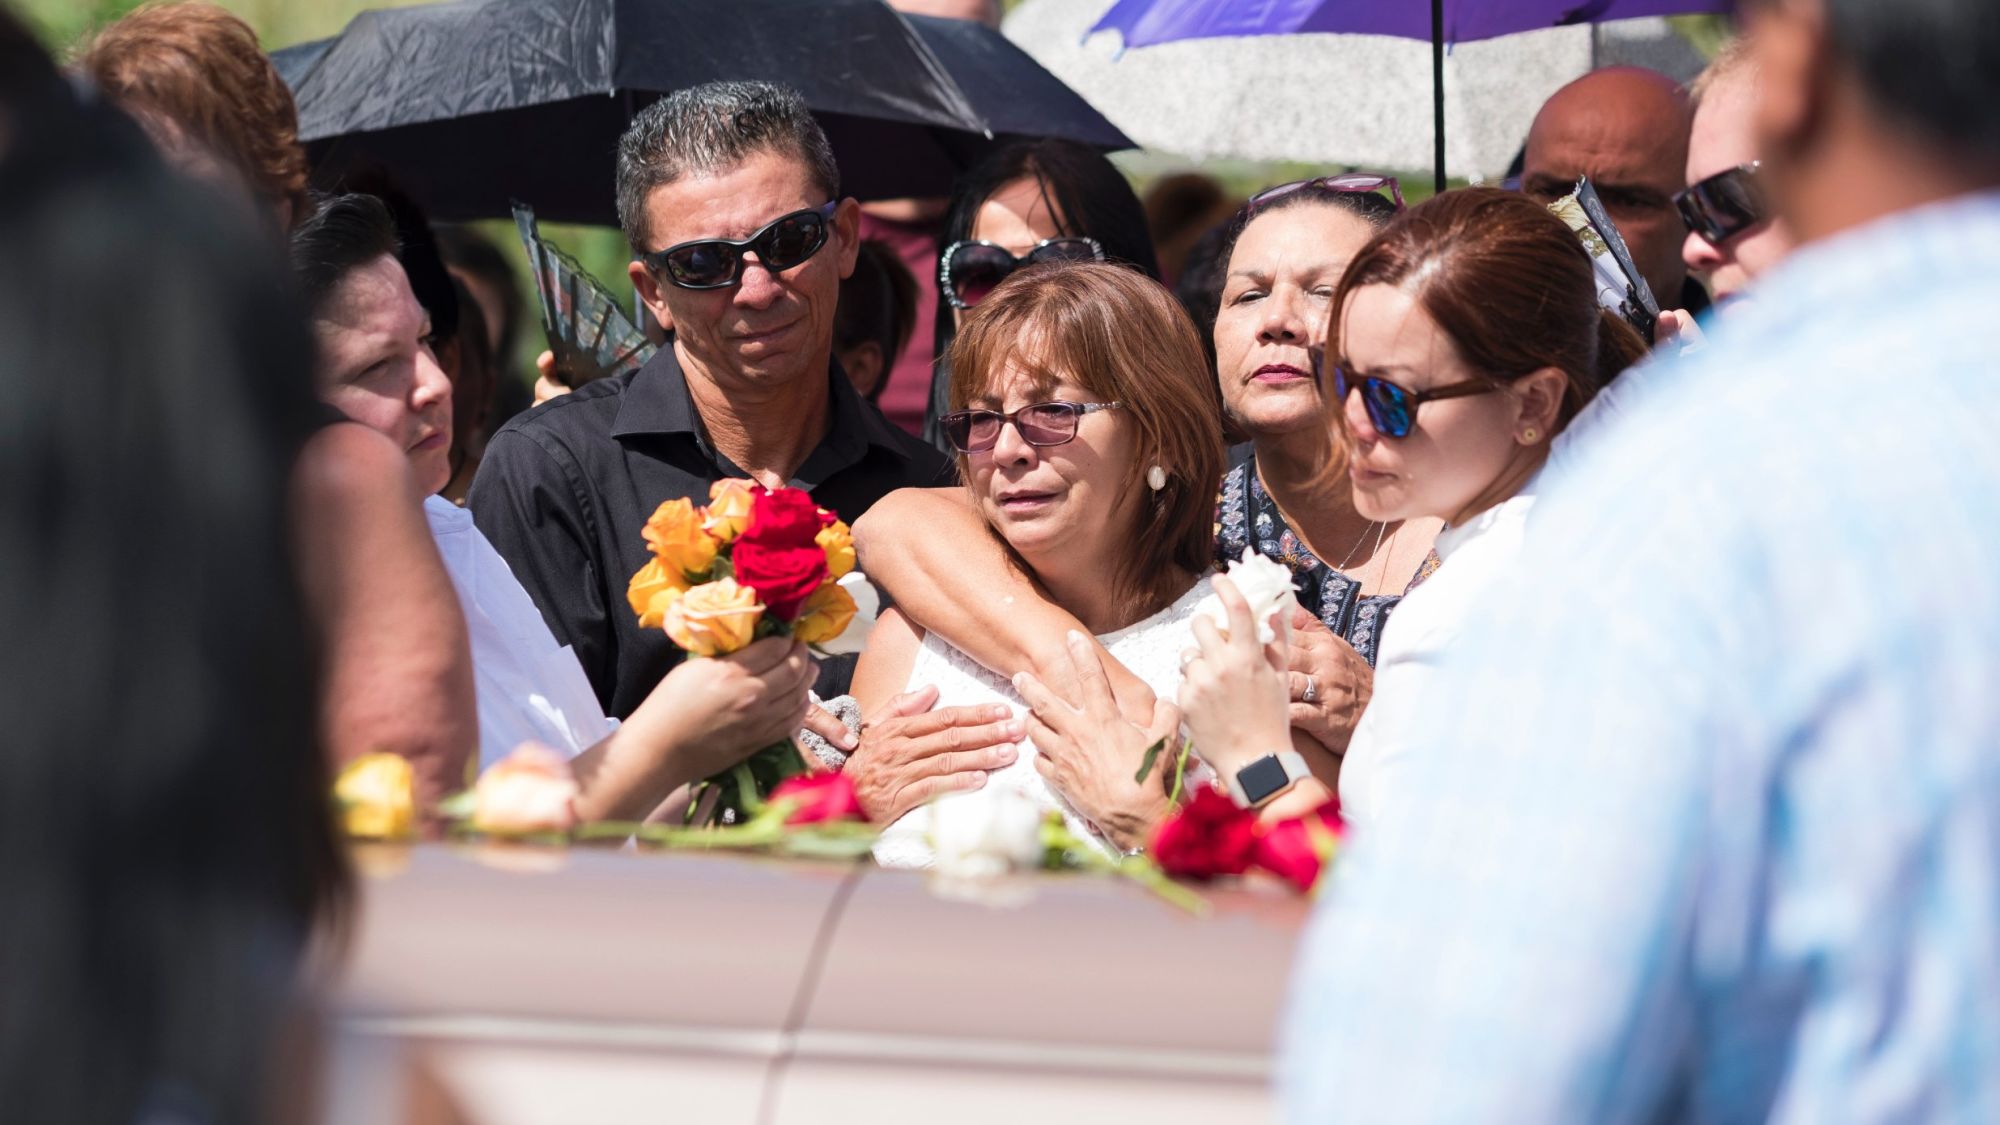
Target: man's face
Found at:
1724, 136
377, 368
770, 330
1628, 131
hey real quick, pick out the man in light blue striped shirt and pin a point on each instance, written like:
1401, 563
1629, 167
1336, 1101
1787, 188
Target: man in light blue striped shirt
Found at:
1709, 824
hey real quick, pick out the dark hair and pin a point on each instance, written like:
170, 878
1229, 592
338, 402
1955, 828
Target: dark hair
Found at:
1933, 64
709, 128
416, 246
199, 69
164, 808
1124, 339
1508, 283
468, 251
1088, 196
878, 302
1373, 207
1199, 289
345, 233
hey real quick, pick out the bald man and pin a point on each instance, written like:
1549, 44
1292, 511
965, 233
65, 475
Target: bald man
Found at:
1627, 129
1724, 137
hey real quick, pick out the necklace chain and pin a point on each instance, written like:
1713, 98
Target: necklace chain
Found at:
1379, 528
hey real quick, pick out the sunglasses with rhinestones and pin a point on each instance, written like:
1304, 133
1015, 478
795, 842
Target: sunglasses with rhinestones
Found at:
717, 263
969, 270
1352, 183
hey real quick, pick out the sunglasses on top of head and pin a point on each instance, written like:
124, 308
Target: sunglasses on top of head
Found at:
1041, 424
1350, 183
717, 263
1392, 408
1723, 206
969, 270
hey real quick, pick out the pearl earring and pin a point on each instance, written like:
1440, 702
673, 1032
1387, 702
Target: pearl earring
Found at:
1157, 477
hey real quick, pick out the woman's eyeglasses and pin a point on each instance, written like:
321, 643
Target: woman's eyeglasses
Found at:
1041, 424
717, 263
1724, 205
1358, 183
1392, 409
968, 271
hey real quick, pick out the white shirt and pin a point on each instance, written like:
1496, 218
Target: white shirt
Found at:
529, 687
1426, 625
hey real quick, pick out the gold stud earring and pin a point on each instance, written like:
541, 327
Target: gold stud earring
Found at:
1531, 434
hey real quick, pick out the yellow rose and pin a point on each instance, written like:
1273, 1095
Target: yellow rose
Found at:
530, 790
838, 543
729, 504
677, 538
652, 590
377, 797
824, 615
714, 618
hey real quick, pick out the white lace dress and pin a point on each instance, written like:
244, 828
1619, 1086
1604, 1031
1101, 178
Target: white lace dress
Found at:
1151, 650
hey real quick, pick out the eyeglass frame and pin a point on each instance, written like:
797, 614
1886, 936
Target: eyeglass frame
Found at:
655, 261
1465, 388
1078, 410
1346, 183
1704, 230
944, 260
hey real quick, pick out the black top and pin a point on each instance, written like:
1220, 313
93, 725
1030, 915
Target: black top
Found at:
566, 488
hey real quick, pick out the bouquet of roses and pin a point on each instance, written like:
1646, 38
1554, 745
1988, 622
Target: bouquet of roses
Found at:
753, 563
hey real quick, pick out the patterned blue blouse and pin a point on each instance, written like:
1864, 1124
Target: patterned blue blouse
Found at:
1246, 516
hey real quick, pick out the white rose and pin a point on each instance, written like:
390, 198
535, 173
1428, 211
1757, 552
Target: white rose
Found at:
1266, 585
985, 833
867, 607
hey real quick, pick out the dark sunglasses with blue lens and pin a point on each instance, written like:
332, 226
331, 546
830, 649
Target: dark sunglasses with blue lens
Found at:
1392, 408
717, 263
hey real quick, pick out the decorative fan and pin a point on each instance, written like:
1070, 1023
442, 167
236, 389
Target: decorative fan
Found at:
1620, 287
587, 330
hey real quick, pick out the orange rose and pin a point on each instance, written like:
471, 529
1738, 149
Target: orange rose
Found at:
838, 543
676, 535
824, 615
652, 590
729, 502
529, 790
714, 618
377, 797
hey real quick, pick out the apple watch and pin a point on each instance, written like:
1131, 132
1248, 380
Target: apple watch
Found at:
1256, 784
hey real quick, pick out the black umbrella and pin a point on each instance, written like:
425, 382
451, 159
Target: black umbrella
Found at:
476, 103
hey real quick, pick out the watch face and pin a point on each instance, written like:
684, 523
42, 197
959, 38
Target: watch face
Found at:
1261, 778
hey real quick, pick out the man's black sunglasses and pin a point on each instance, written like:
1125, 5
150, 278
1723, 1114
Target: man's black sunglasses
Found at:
717, 263
1392, 408
1724, 205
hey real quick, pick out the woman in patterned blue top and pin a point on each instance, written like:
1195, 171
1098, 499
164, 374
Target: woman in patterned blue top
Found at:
1285, 253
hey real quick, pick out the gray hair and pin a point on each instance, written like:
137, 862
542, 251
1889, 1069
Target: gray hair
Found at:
1933, 64
708, 129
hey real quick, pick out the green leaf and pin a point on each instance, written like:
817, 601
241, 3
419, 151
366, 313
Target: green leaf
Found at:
1146, 763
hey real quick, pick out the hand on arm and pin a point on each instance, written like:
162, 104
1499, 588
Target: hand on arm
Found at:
1088, 752
1340, 684
908, 753
1236, 696
704, 717
930, 550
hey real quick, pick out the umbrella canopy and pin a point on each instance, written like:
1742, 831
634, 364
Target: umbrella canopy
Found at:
1338, 100
475, 103
1147, 22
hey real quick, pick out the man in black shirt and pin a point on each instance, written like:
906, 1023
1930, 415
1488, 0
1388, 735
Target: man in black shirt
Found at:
729, 196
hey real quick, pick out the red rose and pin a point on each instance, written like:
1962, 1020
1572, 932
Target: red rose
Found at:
784, 577
1296, 850
821, 797
1208, 837
784, 518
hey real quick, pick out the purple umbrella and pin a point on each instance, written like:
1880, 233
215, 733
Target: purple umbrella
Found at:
1143, 23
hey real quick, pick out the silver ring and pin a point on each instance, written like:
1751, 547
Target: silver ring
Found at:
1312, 690
1188, 656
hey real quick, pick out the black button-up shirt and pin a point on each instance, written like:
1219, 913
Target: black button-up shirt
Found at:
566, 488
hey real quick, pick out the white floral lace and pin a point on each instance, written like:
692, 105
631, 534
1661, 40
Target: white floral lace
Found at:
1151, 649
